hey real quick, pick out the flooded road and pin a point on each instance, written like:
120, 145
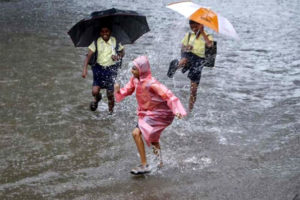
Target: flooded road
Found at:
241, 141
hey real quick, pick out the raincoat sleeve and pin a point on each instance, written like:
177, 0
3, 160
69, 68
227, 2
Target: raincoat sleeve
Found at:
125, 91
172, 101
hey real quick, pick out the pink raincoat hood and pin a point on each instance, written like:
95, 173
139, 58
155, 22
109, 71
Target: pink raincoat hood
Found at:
143, 65
157, 105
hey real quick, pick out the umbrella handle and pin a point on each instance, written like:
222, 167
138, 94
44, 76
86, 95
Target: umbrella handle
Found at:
193, 41
197, 35
113, 50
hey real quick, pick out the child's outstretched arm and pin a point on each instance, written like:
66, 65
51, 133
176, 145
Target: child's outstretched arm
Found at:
172, 101
120, 94
85, 65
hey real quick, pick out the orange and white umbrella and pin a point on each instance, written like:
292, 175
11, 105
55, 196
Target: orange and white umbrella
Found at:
205, 16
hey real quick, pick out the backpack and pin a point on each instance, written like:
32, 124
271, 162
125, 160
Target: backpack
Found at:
210, 55
93, 59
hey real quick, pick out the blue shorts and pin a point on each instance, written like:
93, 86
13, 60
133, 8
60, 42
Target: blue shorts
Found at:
195, 65
104, 77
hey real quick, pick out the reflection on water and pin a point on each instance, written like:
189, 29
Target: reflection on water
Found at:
240, 142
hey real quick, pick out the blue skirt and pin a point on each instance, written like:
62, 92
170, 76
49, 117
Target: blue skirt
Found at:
195, 66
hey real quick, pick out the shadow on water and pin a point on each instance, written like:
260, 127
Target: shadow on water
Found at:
240, 142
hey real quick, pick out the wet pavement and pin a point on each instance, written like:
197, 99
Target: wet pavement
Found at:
241, 141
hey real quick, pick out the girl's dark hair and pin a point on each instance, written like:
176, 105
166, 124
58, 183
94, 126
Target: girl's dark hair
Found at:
193, 22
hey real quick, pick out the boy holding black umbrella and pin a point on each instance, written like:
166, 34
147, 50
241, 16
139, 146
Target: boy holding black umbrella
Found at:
108, 57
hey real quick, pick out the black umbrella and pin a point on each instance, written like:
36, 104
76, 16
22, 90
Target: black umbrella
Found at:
126, 25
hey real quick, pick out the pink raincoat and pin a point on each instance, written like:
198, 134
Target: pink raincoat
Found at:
157, 105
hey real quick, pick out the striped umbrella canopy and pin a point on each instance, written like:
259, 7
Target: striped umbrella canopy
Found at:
205, 16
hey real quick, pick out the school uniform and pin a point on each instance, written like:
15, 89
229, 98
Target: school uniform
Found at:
105, 71
196, 57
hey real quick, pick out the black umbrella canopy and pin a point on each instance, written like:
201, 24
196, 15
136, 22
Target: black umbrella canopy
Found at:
126, 25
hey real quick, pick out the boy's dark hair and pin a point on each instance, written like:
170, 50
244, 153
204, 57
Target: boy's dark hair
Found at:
105, 25
193, 22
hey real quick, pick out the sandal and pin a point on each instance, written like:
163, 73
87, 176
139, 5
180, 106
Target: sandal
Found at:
172, 68
94, 104
141, 169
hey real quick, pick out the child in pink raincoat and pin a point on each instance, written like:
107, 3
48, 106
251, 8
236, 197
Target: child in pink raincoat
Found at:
157, 107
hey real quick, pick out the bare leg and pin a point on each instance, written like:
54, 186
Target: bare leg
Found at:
111, 100
193, 95
156, 144
97, 98
182, 62
137, 136
157, 152
96, 92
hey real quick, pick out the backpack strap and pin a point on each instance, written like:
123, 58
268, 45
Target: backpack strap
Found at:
117, 46
196, 36
96, 52
187, 43
96, 45
188, 39
118, 63
93, 59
